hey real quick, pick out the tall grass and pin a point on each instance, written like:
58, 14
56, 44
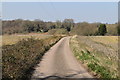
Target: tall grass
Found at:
20, 58
96, 62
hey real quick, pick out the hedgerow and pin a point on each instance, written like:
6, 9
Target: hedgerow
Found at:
19, 59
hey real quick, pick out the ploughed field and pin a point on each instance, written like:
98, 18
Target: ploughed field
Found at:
98, 53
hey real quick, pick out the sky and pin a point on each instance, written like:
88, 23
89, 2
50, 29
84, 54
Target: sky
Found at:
60, 0
105, 12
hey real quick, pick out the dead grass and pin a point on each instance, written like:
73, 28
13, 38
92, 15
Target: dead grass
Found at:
105, 39
12, 39
83, 43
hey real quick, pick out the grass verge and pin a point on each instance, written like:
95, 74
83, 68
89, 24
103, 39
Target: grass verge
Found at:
96, 62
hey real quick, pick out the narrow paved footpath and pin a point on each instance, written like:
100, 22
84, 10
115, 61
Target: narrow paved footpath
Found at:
59, 61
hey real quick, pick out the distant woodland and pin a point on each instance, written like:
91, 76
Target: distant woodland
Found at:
66, 27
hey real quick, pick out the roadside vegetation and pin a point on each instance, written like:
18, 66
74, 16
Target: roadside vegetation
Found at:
96, 55
19, 59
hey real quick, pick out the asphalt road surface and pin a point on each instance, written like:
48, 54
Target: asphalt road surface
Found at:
60, 62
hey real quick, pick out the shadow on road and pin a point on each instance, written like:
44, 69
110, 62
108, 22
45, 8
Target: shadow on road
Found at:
60, 78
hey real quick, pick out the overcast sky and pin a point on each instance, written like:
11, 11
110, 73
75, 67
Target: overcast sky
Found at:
106, 12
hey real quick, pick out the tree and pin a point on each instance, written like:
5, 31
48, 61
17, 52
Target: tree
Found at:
68, 24
102, 30
28, 26
58, 24
84, 28
118, 29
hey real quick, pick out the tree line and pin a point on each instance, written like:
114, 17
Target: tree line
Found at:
66, 26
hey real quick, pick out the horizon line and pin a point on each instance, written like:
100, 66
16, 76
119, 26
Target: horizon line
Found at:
60, 20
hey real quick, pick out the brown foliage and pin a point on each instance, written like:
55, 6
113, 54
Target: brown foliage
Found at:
18, 59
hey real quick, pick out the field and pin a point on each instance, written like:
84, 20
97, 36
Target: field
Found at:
12, 39
97, 53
